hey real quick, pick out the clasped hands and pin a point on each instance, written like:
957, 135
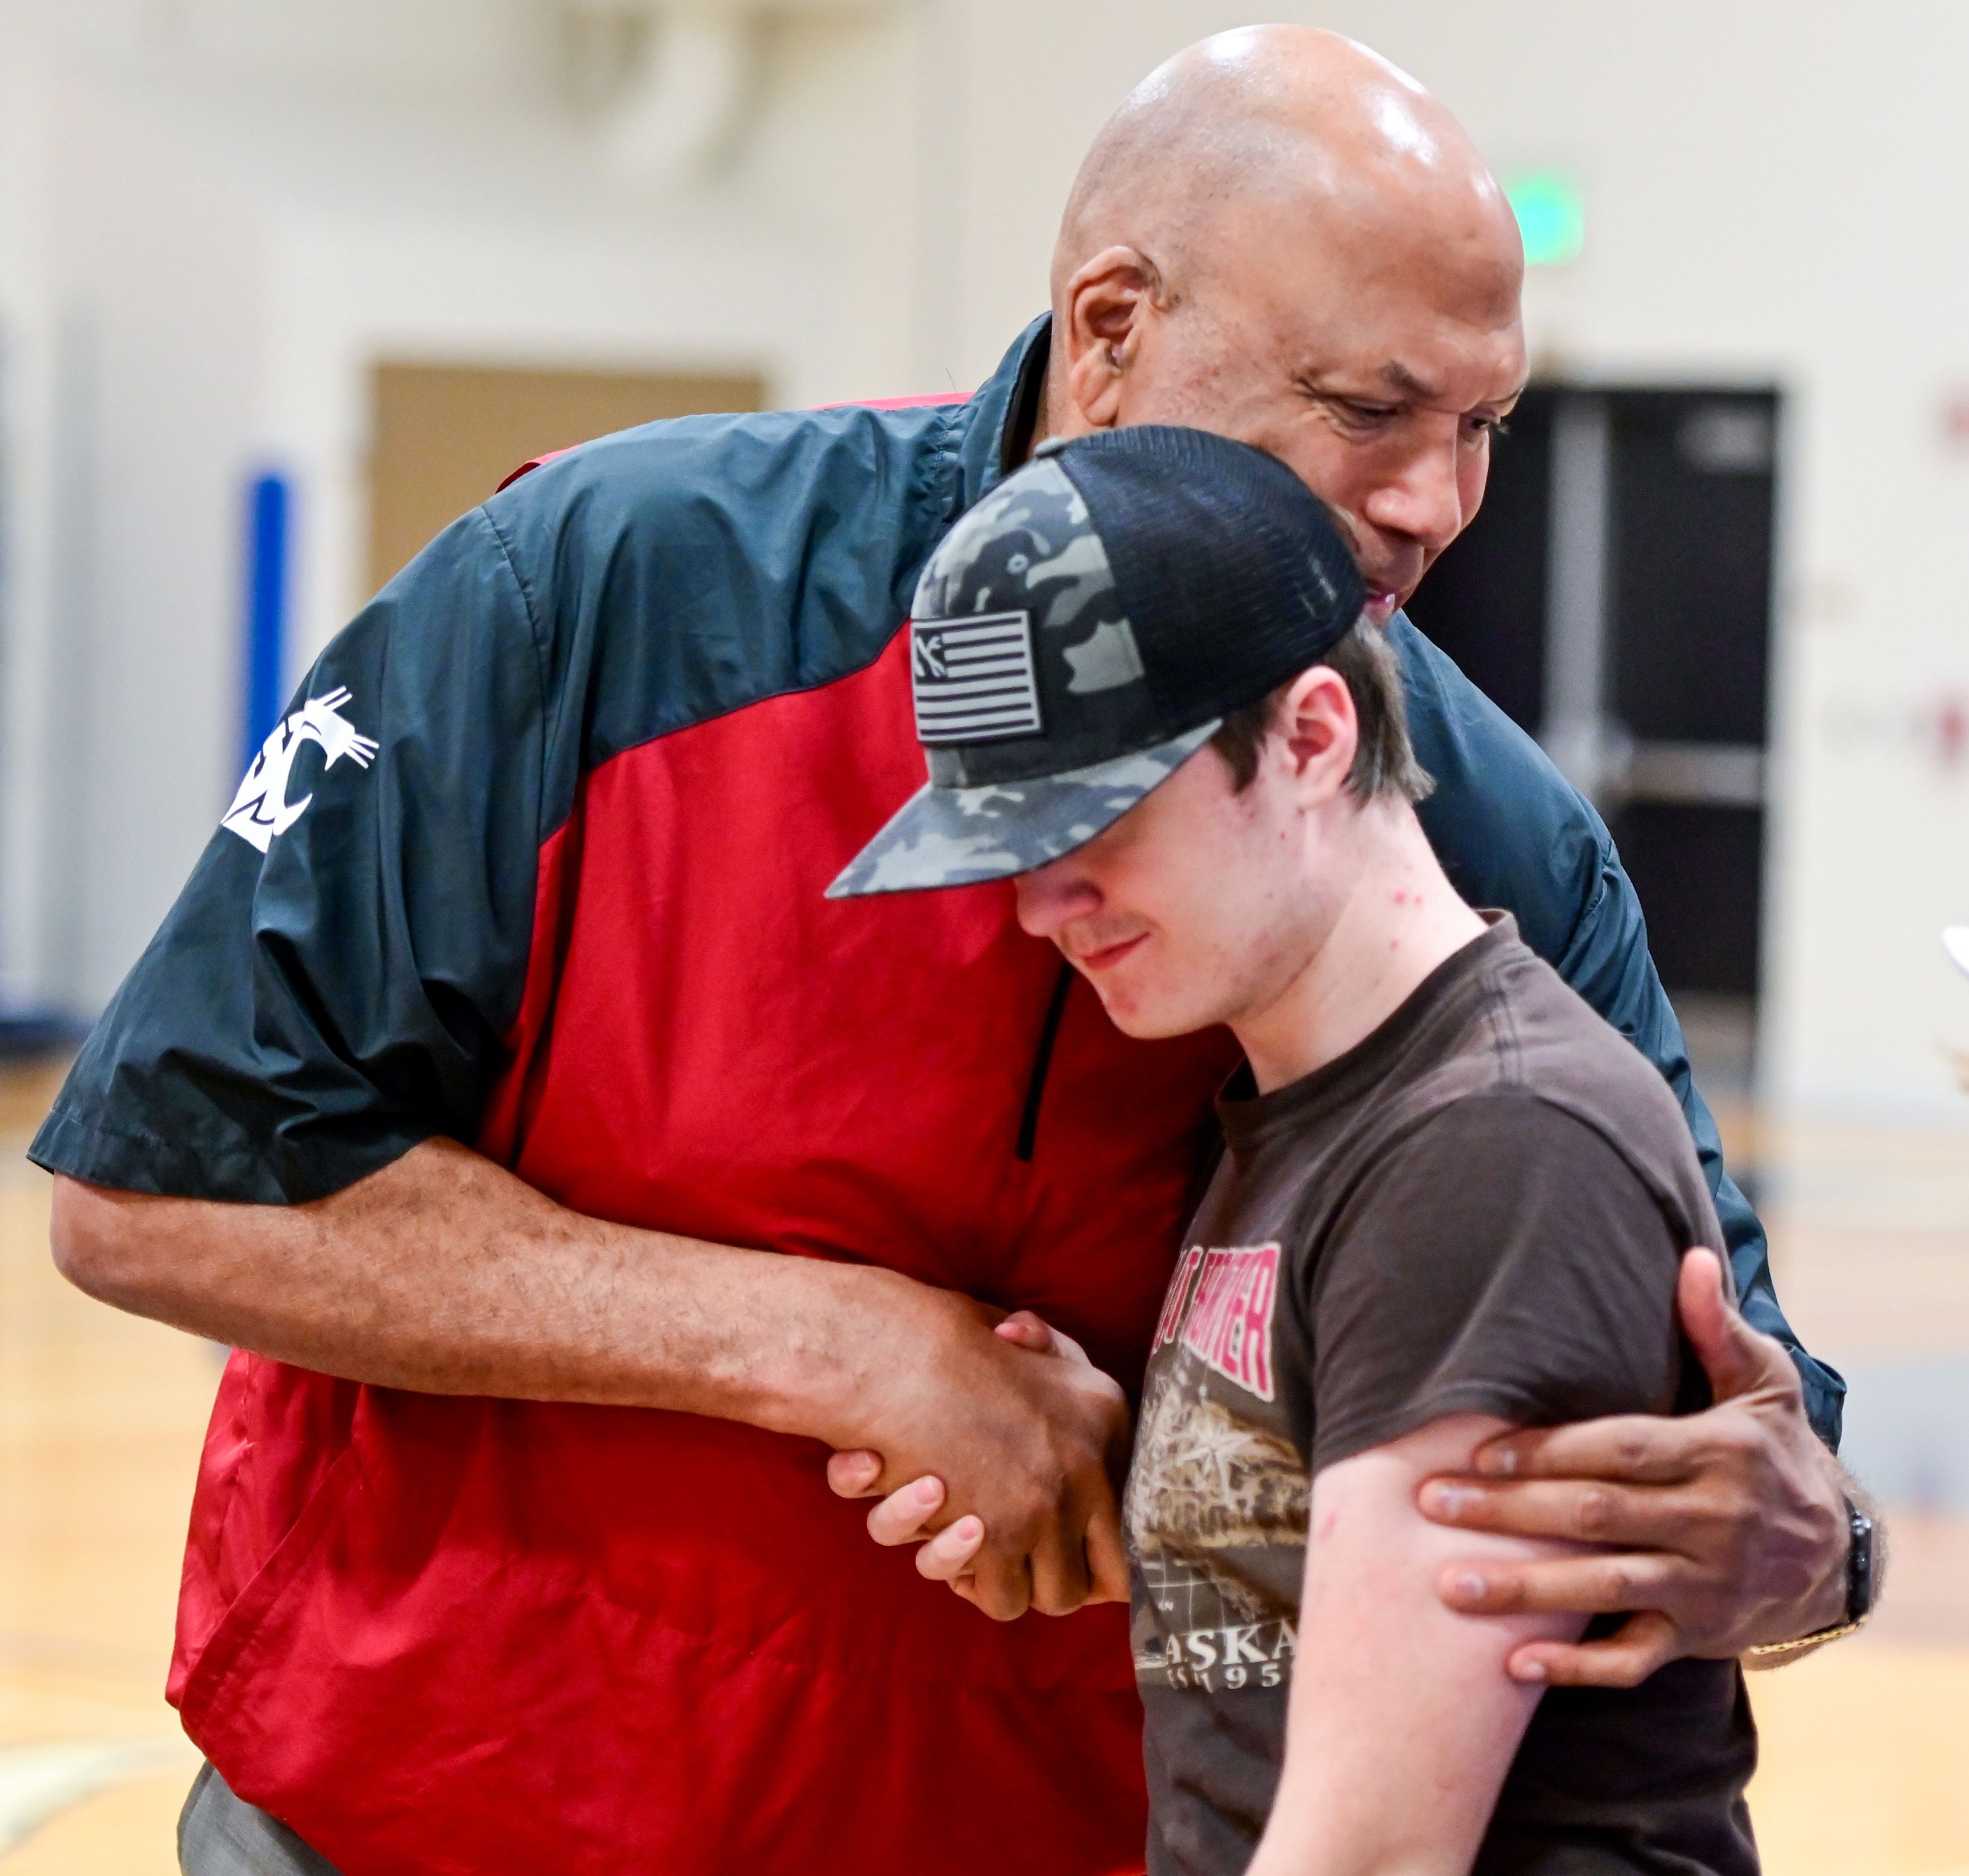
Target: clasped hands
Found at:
1710, 1533
1031, 1444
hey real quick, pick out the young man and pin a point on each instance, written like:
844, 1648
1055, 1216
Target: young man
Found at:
1454, 1201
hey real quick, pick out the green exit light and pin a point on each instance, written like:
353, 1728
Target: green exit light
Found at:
1551, 210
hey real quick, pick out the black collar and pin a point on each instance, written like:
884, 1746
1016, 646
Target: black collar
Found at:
1022, 416
989, 433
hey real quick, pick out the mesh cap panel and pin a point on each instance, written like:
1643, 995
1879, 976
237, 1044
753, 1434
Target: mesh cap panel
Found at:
1231, 571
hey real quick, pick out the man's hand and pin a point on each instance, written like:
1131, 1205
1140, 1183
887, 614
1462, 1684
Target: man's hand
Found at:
1723, 1529
1052, 1552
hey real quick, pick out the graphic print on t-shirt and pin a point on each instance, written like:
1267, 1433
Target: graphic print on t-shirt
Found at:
1216, 1499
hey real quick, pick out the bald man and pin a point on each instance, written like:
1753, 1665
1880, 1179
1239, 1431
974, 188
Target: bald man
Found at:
570, 1174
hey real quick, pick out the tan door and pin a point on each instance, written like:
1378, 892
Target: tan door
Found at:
444, 437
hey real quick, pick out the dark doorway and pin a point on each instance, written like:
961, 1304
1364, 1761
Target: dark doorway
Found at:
1613, 597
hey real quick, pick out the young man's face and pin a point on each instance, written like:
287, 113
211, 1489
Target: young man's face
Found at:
1195, 907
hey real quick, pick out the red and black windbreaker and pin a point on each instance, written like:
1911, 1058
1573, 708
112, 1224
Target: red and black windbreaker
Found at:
537, 860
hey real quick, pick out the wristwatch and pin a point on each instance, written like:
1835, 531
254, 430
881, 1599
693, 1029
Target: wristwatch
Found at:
1860, 1585
1859, 1566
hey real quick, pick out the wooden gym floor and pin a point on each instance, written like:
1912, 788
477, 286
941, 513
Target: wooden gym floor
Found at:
1866, 1748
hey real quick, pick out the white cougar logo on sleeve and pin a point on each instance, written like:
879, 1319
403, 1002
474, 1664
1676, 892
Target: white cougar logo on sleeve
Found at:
262, 810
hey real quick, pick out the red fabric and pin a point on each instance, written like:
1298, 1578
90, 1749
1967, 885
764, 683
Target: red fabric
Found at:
532, 463
921, 402
492, 1637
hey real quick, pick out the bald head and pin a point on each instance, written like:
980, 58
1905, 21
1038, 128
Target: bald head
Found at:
1282, 238
1285, 121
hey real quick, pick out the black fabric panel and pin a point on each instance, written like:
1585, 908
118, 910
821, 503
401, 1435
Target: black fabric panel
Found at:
305, 1017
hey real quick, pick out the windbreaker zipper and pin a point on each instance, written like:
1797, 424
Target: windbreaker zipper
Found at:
1029, 1117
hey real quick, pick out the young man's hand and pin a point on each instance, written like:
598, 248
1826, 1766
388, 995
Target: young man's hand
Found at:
1054, 1559
1724, 1529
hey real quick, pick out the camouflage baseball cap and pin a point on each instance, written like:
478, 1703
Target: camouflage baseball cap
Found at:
1084, 630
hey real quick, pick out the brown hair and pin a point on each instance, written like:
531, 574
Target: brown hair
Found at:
1384, 762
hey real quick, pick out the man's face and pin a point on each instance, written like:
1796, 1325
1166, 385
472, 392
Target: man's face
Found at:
1193, 908
1377, 361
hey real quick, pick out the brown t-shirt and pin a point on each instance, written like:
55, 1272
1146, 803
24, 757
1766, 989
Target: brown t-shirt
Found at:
1480, 1209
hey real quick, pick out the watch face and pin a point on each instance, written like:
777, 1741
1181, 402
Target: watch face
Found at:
1859, 1565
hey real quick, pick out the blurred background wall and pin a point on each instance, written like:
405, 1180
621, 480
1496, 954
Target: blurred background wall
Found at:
228, 230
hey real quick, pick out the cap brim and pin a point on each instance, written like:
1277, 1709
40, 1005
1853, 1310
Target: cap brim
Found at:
960, 836
1955, 941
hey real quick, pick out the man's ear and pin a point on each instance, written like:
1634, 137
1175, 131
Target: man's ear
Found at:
1321, 733
1100, 321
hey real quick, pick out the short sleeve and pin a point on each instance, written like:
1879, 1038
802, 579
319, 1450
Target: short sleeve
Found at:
1502, 1258
333, 983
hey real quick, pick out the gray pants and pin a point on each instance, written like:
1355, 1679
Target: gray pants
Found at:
219, 1835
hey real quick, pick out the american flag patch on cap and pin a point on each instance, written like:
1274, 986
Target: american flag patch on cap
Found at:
973, 678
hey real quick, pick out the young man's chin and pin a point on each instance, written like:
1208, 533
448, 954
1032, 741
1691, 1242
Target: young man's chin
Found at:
1149, 1020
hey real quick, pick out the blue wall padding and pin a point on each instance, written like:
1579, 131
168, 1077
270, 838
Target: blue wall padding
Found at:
268, 506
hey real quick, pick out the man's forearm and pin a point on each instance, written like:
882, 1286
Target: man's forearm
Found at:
444, 1274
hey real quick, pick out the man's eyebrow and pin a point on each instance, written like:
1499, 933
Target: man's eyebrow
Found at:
1398, 374
1395, 373
1398, 377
